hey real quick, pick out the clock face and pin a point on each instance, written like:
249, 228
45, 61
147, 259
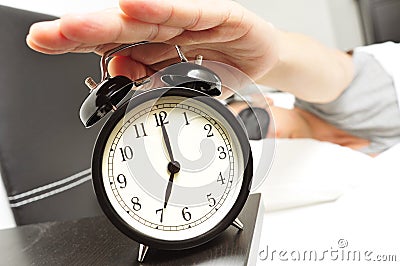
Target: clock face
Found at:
172, 168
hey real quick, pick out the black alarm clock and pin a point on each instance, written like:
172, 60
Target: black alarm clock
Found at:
172, 166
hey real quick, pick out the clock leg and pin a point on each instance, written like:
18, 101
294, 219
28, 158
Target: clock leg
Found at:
142, 252
238, 224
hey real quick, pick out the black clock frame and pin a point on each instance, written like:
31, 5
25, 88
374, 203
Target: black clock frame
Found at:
97, 178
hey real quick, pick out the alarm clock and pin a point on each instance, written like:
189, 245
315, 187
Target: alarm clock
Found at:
172, 166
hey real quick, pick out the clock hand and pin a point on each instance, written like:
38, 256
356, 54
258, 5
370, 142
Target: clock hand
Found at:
167, 143
173, 168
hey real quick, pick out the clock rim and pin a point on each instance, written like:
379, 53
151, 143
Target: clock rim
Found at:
97, 177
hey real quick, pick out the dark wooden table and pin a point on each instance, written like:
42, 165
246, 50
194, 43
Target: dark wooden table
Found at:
94, 241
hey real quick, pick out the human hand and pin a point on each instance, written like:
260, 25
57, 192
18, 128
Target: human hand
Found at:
219, 30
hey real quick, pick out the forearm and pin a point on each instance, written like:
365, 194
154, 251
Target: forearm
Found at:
308, 69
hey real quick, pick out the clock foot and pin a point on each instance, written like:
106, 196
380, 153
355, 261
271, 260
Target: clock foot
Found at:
238, 224
142, 252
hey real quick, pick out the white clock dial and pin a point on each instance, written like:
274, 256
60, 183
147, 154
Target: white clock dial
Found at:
207, 171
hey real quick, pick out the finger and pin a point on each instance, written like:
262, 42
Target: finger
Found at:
204, 21
38, 48
46, 37
90, 28
125, 66
77, 32
135, 70
190, 15
153, 55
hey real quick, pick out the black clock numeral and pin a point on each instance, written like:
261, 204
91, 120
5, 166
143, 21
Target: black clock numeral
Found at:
136, 205
127, 153
121, 179
222, 153
140, 131
162, 212
221, 178
208, 127
186, 118
211, 200
161, 118
186, 215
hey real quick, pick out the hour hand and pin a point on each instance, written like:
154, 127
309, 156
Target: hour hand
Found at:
173, 168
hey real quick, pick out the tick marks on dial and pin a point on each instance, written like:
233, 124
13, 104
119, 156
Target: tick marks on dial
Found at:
173, 166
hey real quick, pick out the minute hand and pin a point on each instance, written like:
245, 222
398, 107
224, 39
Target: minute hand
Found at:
167, 143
